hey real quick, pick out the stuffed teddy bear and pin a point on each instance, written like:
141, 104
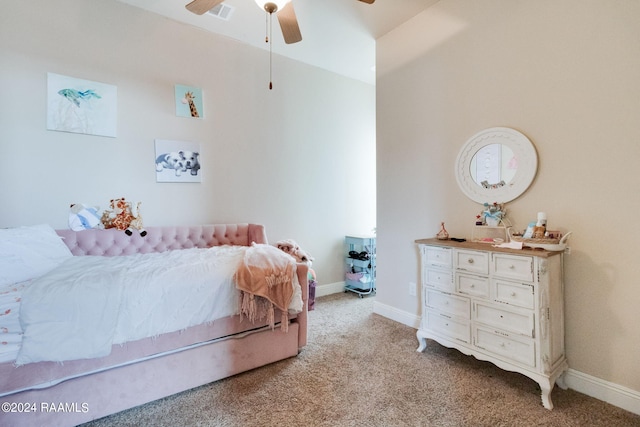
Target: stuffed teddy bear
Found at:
291, 247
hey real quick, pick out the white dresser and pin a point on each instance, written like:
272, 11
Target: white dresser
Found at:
504, 306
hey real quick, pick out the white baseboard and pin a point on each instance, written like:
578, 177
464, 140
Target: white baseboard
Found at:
329, 288
614, 394
399, 316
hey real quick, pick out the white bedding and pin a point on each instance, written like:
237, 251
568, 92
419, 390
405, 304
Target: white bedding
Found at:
87, 304
10, 329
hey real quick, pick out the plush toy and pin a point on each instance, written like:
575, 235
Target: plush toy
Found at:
136, 221
122, 217
291, 247
83, 217
118, 216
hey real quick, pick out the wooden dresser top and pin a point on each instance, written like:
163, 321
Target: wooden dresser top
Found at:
487, 247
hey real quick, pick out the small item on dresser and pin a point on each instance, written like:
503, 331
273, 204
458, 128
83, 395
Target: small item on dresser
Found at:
553, 234
510, 245
541, 226
458, 239
442, 234
538, 232
542, 220
528, 234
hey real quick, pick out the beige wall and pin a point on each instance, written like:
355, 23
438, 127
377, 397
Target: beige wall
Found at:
291, 158
567, 75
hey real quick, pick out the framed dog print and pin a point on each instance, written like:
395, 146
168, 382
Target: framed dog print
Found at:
81, 106
189, 102
177, 161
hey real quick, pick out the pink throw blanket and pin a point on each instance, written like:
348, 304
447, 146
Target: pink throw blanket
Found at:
265, 279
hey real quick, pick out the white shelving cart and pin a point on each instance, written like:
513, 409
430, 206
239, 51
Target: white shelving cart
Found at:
360, 260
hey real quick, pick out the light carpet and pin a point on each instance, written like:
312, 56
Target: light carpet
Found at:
361, 369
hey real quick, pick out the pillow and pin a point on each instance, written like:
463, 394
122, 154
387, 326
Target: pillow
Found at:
29, 252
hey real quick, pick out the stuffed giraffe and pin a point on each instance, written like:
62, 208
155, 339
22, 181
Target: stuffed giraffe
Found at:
119, 216
136, 220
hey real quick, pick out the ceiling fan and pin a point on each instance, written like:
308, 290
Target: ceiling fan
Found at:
282, 8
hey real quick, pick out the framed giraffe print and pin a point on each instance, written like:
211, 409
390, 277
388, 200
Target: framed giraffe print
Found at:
177, 161
81, 106
189, 102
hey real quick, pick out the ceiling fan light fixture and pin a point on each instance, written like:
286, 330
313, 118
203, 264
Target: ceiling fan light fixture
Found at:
264, 4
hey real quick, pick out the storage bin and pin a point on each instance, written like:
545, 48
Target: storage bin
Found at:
488, 234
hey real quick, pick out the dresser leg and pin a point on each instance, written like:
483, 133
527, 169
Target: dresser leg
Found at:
546, 387
422, 341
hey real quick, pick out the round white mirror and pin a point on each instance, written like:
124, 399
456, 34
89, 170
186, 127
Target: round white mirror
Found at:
496, 165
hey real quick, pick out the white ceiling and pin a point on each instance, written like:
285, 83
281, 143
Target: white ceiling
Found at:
337, 35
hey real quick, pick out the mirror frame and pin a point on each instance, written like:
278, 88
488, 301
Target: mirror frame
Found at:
521, 146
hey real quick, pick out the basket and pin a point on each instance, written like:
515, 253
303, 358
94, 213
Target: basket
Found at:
355, 277
555, 244
526, 241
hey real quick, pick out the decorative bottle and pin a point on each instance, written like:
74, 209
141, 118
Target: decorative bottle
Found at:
442, 234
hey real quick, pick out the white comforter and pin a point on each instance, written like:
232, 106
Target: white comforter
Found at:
87, 304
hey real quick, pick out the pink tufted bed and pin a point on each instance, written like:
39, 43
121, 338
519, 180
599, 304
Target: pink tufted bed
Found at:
136, 372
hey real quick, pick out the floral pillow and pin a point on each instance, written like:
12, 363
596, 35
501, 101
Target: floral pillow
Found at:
29, 252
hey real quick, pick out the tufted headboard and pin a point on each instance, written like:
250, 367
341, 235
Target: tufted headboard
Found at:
113, 242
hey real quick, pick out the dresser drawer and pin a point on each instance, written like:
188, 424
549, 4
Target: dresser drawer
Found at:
437, 256
472, 261
506, 346
449, 327
512, 320
476, 286
440, 279
513, 267
449, 304
518, 294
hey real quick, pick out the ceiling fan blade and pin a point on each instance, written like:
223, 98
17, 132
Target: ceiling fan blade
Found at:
200, 7
367, 1
289, 24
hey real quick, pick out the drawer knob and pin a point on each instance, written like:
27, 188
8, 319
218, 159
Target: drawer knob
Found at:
470, 260
472, 285
512, 266
513, 294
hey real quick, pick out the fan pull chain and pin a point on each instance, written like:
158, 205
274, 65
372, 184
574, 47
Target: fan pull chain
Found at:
270, 51
268, 22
